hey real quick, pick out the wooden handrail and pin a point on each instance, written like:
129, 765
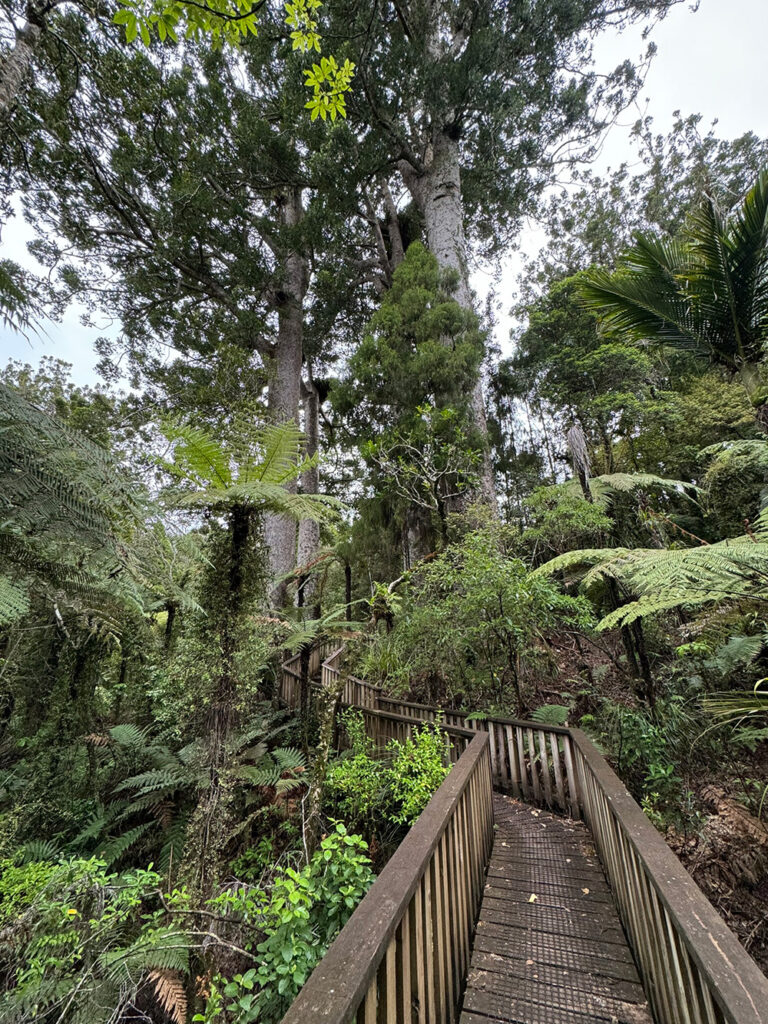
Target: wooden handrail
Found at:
694, 969
407, 945
692, 966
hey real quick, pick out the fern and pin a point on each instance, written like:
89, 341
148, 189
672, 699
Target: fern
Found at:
170, 993
250, 471
67, 511
551, 714
14, 600
118, 847
270, 769
38, 850
157, 780
172, 849
165, 949
738, 650
604, 488
667, 578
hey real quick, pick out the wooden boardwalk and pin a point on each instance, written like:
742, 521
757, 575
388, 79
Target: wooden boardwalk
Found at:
549, 947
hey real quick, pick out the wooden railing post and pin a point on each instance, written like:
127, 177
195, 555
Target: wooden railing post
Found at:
693, 968
402, 955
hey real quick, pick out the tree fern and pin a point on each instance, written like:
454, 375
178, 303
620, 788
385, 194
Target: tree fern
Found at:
667, 578
250, 470
67, 513
604, 488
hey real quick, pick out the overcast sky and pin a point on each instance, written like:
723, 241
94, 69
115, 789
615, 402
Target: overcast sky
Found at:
711, 62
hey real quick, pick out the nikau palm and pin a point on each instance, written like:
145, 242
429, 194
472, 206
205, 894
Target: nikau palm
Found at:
705, 292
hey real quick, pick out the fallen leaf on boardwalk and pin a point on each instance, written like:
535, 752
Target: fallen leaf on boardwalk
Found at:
585, 891
532, 898
528, 962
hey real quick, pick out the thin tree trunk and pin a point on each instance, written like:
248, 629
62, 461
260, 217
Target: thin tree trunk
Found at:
396, 251
17, 66
327, 699
417, 536
285, 386
348, 590
437, 192
309, 529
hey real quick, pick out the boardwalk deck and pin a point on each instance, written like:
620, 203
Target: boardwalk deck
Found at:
561, 958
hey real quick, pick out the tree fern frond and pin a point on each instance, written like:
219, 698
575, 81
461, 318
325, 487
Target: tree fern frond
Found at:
627, 482
198, 454
279, 459
166, 949
170, 992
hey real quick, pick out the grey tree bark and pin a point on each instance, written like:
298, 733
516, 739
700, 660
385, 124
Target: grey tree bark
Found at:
16, 66
309, 530
436, 189
285, 384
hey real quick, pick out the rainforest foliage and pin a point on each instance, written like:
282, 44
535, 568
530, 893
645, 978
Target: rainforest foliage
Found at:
306, 428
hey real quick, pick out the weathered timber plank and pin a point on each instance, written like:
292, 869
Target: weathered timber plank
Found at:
549, 946
562, 956
515, 889
569, 978
537, 1004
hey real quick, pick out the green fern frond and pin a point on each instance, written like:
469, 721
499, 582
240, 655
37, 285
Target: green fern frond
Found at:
14, 600
279, 458
172, 849
39, 849
551, 714
165, 779
197, 454
266, 774
112, 851
165, 949
289, 759
129, 735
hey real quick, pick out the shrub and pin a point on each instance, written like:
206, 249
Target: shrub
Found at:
417, 770
299, 919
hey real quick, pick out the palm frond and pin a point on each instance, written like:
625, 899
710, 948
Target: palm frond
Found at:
644, 299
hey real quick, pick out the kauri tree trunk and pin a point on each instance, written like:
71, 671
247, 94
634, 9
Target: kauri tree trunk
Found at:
285, 384
17, 66
437, 192
309, 529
